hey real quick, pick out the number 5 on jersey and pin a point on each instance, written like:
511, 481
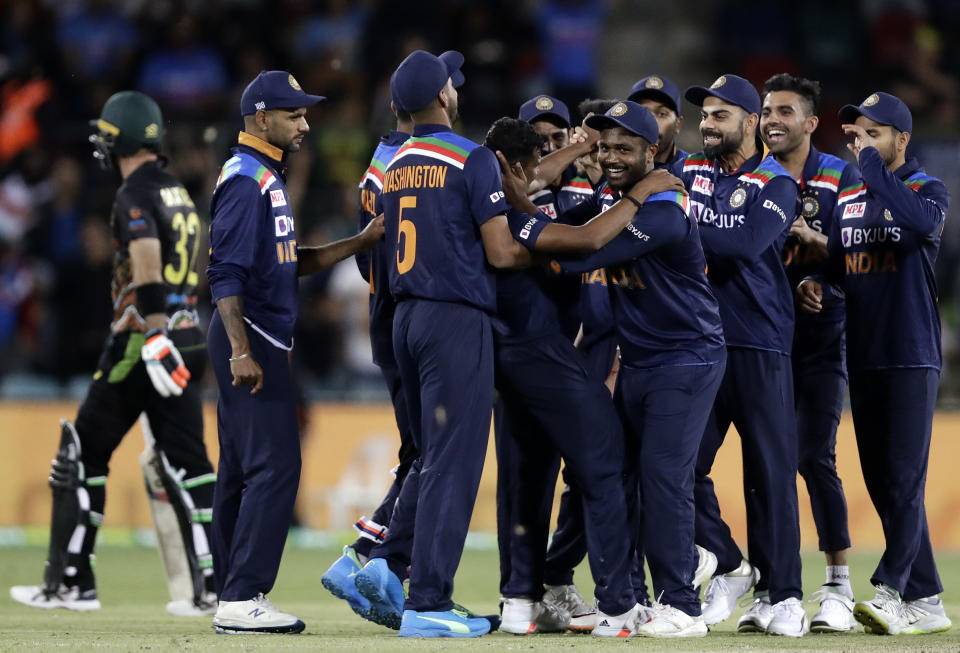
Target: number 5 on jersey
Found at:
408, 234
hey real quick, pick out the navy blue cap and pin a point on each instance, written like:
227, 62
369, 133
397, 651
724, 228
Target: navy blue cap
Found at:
729, 88
631, 116
544, 106
880, 107
275, 89
655, 86
420, 76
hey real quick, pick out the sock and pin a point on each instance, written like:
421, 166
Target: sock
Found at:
839, 576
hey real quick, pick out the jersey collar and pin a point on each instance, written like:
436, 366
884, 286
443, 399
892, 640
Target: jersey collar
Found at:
909, 168
261, 146
810, 167
425, 130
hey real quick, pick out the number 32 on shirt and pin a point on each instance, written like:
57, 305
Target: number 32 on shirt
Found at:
406, 237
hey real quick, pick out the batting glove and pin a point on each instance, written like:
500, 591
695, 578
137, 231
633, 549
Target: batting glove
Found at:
164, 364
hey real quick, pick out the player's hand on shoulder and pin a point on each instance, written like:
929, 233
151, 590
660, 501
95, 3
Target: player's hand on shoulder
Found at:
656, 181
810, 296
164, 364
514, 180
247, 371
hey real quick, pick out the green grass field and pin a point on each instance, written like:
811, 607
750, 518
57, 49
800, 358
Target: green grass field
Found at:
133, 594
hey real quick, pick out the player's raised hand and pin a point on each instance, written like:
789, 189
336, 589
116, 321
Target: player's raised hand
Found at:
861, 139
656, 181
165, 366
810, 296
514, 181
584, 134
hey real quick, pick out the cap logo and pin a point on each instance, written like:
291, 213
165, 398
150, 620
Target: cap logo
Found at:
544, 103
152, 130
261, 105
721, 80
870, 101
618, 109
293, 83
654, 82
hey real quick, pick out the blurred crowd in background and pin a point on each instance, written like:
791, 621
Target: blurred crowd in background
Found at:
61, 59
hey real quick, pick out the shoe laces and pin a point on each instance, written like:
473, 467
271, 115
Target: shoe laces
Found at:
751, 601
786, 607
552, 612
828, 593
718, 584
888, 599
263, 602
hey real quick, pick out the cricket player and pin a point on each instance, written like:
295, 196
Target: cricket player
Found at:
787, 122
884, 243
155, 347
374, 267
443, 281
745, 204
552, 408
255, 261
662, 98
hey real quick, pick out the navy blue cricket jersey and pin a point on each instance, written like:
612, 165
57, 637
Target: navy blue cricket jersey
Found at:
886, 236
669, 164
554, 201
535, 301
664, 308
253, 246
375, 264
437, 191
744, 219
822, 178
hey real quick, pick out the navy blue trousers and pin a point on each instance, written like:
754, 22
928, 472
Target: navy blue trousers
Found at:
259, 469
569, 545
893, 418
665, 411
551, 406
407, 454
756, 396
445, 356
819, 401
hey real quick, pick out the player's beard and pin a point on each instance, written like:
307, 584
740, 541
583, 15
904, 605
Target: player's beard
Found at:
729, 143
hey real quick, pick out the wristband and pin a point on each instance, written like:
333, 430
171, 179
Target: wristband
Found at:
151, 298
234, 359
634, 200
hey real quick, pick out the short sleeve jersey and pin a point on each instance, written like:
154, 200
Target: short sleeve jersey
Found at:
438, 190
152, 203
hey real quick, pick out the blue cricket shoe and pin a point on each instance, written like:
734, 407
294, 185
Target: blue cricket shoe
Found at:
384, 590
449, 623
338, 579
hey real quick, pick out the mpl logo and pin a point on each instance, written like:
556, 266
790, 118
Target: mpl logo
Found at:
549, 210
702, 185
854, 210
277, 198
283, 225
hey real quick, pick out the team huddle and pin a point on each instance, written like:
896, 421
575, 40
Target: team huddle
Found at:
617, 302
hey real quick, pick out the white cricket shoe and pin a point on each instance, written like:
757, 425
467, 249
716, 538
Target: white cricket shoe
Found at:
668, 621
757, 617
836, 611
69, 598
583, 615
618, 625
254, 616
724, 591
925, 616
789, 619
706, 565
187, 608
522, 616
884, 614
